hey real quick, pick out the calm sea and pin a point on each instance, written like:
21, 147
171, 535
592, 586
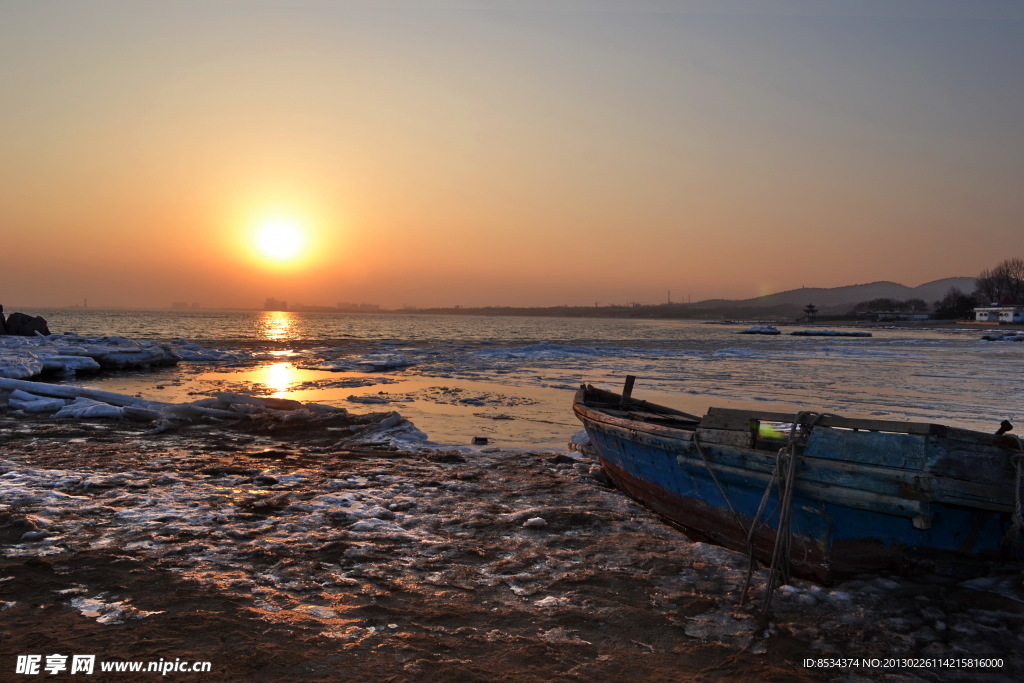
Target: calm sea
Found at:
511, 378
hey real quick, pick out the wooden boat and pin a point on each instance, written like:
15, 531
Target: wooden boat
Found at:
839, 496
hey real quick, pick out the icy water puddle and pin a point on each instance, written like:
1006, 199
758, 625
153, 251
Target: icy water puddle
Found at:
450, 411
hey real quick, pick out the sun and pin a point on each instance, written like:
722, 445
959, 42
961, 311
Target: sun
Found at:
280, 240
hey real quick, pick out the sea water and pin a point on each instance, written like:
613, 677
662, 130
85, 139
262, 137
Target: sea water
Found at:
511, 379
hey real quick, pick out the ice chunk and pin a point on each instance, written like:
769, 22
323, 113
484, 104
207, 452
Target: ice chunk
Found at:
30, 403
40, 405
88, 408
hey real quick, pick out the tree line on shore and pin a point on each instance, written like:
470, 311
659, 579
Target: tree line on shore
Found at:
1002, 285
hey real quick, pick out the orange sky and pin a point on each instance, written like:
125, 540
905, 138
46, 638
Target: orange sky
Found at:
527, 153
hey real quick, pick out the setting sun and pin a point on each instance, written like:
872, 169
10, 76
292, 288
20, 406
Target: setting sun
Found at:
280, 239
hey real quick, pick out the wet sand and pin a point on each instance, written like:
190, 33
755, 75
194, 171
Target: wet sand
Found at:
276, 555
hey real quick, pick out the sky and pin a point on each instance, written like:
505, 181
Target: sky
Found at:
531, 153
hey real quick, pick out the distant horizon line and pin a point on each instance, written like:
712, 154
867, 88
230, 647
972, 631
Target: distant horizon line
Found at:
375, 308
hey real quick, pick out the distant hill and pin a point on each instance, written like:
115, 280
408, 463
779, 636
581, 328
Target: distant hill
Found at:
841, 299
833, 301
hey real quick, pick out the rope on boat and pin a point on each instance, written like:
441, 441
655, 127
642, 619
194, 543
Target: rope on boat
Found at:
752, 562
707, 465
786, 466
785, 473
739, 520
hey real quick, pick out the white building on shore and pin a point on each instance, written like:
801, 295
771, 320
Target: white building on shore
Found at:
999, 314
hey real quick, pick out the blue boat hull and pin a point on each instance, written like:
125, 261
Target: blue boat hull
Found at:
847, 516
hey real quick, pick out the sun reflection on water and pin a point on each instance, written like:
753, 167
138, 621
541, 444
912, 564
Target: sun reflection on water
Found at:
279, 377
275, 325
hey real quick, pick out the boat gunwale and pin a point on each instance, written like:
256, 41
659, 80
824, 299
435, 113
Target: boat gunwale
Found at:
715, 417
594, 414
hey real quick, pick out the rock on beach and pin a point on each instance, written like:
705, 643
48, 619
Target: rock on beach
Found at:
22, 324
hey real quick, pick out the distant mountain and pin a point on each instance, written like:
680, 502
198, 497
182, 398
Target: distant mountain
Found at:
790, 304
841, 299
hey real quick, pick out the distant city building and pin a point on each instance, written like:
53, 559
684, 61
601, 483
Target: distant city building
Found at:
999, 314
365, 308
313, 309
273, 304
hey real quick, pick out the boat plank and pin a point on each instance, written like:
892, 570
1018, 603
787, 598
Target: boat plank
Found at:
971, 438
890, 481
821, 472
886, 449
725, 437
660, 418
854, 497
732, 418
975, 464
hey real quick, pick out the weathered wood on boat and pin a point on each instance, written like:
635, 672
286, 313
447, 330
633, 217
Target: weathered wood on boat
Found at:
887, 449
958, 461
627, 389
725, 437
731, 418
972, 438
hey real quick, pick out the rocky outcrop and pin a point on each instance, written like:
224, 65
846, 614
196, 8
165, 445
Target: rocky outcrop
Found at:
23, 325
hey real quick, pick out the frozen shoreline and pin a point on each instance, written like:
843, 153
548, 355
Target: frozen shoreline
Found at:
278, 506
457, 384
429, 564
28, 365
58, 401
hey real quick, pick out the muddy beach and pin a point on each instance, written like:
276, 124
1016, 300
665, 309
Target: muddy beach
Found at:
274, 554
